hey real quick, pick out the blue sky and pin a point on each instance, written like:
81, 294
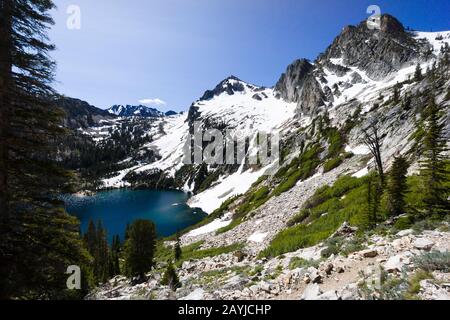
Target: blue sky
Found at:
174, 50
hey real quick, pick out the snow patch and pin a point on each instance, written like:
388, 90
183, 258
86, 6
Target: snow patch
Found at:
358, 150
210, 227
258, 237
361, 173
235, 184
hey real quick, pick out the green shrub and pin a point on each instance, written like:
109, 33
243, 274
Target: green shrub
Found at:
434, 260
332, 164
297, 262
340, 245
299, 218
254, 200
403, 223
414, 283
333, 246
192, 252
336, 142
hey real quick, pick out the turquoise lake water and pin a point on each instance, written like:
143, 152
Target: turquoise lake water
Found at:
167, 209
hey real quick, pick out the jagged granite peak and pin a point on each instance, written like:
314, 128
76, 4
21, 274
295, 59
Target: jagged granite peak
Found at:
230, 85
358, 52
292, 81
135, 111
298, 84
378, 51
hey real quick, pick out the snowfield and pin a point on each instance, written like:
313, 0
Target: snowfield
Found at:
211, 227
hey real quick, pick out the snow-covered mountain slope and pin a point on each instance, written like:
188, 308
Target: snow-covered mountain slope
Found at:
137, 111
243, 107
366, 79
357, 72
233, 104
169, 143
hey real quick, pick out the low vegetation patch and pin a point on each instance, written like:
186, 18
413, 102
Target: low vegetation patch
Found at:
341, 245
323, 214
192, 252
432, 261
297, 262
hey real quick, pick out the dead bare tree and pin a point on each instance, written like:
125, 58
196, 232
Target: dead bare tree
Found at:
373, 141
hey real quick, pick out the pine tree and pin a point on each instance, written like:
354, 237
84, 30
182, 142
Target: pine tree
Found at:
170, 277
433, 167
39, 240
114, 256
177, 248
90, 238
101, 268
140, 248
418, 73
396, 94
397, 186
127, 232
374, 191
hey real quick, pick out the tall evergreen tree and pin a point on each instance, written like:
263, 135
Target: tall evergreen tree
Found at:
433, 167
127, 232
170, 277
396, 94
114, 256
418, 73
397, 186
90, 238
140, 248
102, 257
374, 191
39, 240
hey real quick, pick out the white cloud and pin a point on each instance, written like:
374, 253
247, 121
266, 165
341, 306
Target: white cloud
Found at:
153, 102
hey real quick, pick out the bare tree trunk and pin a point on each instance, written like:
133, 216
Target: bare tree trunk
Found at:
373, 141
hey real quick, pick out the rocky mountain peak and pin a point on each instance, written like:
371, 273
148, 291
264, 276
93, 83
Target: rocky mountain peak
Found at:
377, 52
390, 24
230, 85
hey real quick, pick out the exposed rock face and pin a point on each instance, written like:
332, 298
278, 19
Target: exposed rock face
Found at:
298, 84
292, 81
377, 52
230, 85
80, 114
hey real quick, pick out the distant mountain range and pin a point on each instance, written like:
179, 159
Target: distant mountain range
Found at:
80, 114
138, 111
